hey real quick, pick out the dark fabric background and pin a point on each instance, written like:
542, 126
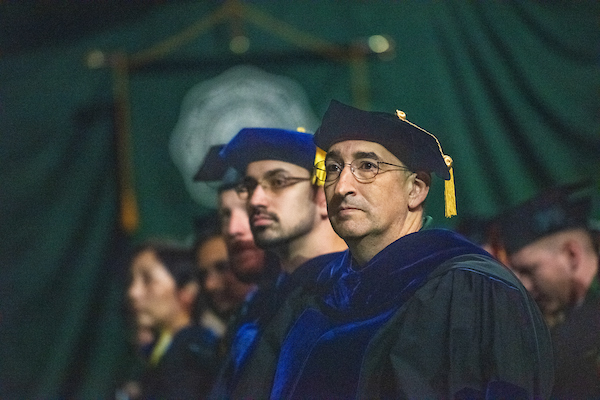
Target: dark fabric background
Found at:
511, 89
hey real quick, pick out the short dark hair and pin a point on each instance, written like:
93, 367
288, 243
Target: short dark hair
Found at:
178, 259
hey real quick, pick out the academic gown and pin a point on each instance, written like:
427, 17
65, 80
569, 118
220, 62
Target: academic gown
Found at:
430, 316
577, 350
256, 313
187, 370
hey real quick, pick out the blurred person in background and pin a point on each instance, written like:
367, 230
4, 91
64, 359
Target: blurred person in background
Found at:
225, 292
552, 247
140, 340
484, 232
181, 361
248, 262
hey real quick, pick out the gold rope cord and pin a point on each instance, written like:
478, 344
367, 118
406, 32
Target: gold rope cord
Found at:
129, 214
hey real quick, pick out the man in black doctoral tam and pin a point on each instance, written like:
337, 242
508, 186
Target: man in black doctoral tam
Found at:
550, 245
405, 312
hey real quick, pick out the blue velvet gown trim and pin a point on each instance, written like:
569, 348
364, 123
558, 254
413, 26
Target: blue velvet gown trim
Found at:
353, 305
393, 275
263, 307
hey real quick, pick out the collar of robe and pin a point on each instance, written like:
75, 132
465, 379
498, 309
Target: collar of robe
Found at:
392, 276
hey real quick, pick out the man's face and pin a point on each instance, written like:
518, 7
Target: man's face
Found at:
247, 260
544, 271
278, 217
225, 291
152, 293
359, 209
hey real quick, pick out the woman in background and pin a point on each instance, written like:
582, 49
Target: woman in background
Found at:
163, 293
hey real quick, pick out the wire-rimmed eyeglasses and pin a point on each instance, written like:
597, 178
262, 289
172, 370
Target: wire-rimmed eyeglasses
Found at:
364, 170
274, 183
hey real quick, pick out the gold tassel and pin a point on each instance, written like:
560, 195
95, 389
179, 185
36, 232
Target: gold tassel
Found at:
449, 190
318, 177
129, 210
129, 213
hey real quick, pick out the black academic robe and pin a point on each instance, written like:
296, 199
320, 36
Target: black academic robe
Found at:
256, 313
430, 316
577, 350
187, 370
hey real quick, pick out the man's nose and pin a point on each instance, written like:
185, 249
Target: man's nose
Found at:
259, 197
346, 182
134, 291
213, 282
238, 223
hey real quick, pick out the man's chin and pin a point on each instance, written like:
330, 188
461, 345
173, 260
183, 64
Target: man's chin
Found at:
249, 277
223, 307
144, 319
348, 230
248, 266
549, 307
267, 238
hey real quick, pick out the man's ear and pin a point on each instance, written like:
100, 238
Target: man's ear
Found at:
321, 202
574, 252
421, 181
187, 294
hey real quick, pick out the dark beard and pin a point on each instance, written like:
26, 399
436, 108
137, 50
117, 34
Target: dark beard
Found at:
267, 243
248, 261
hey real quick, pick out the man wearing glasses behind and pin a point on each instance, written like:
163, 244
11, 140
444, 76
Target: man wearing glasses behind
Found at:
288, 217
405, 312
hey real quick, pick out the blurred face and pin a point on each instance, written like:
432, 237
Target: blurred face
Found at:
545, 272
247, 260
225, 291
376, 208
278, 217
153, 292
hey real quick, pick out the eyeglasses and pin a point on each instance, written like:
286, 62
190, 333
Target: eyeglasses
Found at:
271, 182
363, 169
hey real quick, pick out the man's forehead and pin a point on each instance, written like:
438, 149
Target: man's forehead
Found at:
229, 199
258, 169
533, 253
359, 149
231, 207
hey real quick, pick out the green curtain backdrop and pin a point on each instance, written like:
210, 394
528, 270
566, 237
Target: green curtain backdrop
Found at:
511, 89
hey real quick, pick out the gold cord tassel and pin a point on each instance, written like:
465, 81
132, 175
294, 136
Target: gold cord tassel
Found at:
129, 213
449, 190
318, 177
